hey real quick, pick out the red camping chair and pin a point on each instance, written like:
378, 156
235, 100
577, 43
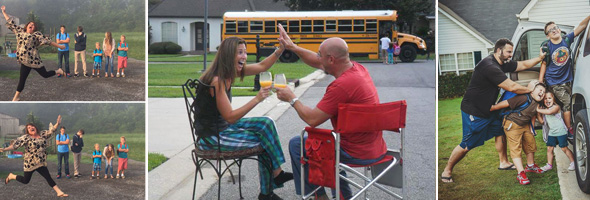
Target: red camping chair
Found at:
353, 118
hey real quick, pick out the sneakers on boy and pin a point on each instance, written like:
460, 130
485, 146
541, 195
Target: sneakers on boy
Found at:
68, 75
547, 167
571, 133
58, 177
535, 168
68, 176
117, 176
122, 74
118, 75
522, 179
572, 167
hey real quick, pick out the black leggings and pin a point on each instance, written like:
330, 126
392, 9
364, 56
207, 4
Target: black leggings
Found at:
42, 170
24, 73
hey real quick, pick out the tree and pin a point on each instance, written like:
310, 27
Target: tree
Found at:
31, 118
32, 17
408, 10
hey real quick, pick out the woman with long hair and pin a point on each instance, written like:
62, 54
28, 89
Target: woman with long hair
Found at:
35, 158
108, 46
27, 54
235, 131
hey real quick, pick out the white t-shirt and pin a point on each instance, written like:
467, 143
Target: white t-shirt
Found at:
385, 43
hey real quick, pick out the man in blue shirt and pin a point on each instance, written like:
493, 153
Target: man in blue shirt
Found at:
63, 38
62, 141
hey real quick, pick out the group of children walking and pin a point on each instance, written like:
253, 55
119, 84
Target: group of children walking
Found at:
107, 51
107, 154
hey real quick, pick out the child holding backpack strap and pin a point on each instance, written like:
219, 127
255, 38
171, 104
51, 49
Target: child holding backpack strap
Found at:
554, 130
556, 68
122, 150
122, 59
520, 111
96, 157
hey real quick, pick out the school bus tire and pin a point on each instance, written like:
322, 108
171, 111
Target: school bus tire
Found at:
408, 53
288, 57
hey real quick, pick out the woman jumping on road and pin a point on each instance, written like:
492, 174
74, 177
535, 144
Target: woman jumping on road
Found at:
35, 158
27, 54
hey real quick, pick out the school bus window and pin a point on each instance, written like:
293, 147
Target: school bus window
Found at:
256, 26
306, 26
230, 26
284, 23
330, 25
242, 26
344, 25
371, 25
269, 26
318, 25
359, 25
293, 25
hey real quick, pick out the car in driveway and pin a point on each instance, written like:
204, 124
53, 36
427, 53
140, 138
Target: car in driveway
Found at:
527, 40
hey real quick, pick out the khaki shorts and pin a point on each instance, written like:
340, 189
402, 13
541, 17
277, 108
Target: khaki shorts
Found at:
519, 138
563, 92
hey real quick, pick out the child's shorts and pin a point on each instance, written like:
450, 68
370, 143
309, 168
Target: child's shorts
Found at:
563, 92
561, 140
122, 163
122, 61
96, 167
97, 65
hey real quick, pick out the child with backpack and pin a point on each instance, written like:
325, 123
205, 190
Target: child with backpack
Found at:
556, 68
122, 150
519, 112
390, 51
96, 157
554, 130
122, 49
97, 60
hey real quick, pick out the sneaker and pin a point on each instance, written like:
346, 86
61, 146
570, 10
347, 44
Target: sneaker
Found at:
59, 75
76, 75
118, 75
85, 75
271, 196
547, 167
68, 176
123, 74
522, 179
122, 176
58, 177
117, 176
572, 167
571, 133
92, 177
535, 168
68, 75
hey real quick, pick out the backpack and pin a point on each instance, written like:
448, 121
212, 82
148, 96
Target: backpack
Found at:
120, 46
95, 153
119, 146
545, 48
506, 111
396, 50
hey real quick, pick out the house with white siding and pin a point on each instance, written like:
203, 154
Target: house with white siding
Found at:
182, 21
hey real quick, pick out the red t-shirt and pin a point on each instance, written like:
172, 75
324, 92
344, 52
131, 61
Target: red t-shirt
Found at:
355, 85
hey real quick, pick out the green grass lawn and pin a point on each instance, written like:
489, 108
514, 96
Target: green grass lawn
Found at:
135, 142
135, 40
10, 74
155, 160
477, 176
177, 74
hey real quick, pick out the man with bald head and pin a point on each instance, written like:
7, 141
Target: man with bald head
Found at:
353, 84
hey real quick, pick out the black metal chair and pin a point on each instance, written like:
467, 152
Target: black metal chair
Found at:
200, 156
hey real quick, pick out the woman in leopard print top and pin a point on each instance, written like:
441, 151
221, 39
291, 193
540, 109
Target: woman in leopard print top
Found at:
35, 154
27, 55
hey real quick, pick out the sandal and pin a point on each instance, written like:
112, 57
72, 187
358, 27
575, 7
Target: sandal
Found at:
449, 179
511, 167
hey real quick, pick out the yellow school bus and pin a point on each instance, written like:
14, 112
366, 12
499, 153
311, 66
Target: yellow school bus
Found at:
360, 29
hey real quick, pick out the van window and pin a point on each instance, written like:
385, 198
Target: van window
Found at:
587, 46
529, 45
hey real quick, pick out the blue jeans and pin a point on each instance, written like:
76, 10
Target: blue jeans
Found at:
108, 61
294, 148
64, 55
65, 156
108, 165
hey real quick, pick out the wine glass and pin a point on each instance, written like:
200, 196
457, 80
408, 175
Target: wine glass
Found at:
265, 81
280, 82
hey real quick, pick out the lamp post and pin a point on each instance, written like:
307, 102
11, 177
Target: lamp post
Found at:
205, 40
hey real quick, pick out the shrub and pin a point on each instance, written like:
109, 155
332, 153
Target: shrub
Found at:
451, 85
164, 48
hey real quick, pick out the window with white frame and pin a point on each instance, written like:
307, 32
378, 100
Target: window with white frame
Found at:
170, 32
456, 62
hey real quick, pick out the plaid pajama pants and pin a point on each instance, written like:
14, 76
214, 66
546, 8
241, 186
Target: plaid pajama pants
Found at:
248, 133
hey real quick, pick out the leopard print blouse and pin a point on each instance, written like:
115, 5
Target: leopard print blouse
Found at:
35, 149
26, 50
